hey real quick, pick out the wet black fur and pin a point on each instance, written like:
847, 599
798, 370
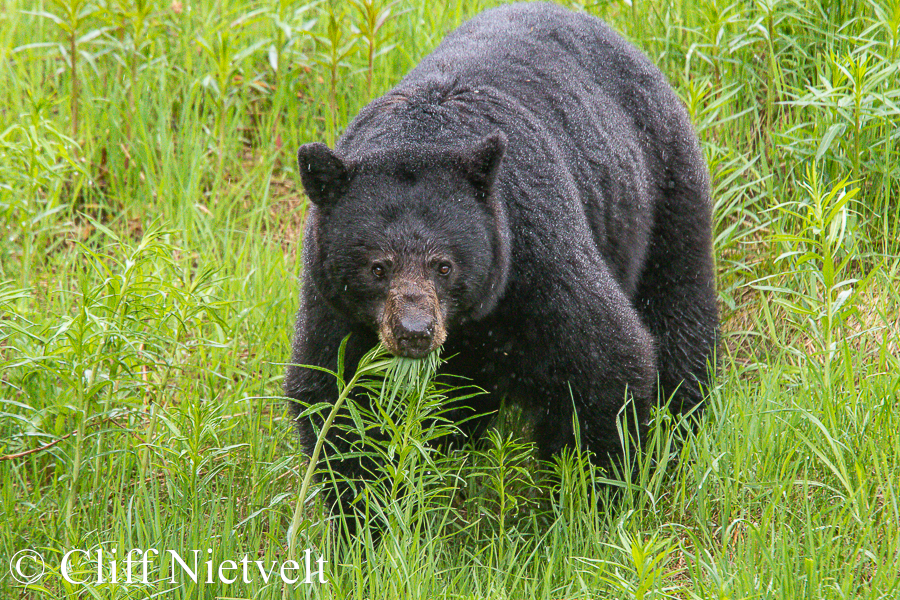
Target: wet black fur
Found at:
588, 262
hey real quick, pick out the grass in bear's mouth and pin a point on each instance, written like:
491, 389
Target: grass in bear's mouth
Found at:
147, 195
407, 373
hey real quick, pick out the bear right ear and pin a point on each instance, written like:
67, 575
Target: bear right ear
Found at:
483, 161
324, 174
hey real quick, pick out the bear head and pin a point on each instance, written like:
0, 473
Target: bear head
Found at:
409, 241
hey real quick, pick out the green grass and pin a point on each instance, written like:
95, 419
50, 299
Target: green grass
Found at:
151, 221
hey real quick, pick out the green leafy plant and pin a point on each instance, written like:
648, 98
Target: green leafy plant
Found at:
373, 15
102, 355
70, 20
397, 427
226, 54
335, 47
819, 257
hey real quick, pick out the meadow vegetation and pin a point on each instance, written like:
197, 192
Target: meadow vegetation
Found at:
151, 220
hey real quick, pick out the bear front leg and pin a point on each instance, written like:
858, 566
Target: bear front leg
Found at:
676, 292
596, 357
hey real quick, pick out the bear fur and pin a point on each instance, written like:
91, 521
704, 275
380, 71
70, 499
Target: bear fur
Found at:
532, 197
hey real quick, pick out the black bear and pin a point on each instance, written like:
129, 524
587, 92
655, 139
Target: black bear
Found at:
532, 197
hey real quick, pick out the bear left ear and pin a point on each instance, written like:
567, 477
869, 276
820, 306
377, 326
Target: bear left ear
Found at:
482, 162
325, 175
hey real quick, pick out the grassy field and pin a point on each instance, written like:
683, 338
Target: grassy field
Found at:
151, 220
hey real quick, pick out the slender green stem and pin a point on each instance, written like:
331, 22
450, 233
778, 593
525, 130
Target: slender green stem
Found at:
73, 57
314, 457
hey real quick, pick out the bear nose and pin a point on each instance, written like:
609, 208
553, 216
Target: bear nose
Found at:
414, 335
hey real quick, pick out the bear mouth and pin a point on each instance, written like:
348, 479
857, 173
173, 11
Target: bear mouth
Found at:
414, 353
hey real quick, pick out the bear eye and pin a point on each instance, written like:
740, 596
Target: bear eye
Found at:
378, 270
444, 268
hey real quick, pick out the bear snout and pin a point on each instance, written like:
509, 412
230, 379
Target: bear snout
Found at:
411, 324
414, 334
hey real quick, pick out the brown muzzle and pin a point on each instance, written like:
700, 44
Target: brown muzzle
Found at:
412, 324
